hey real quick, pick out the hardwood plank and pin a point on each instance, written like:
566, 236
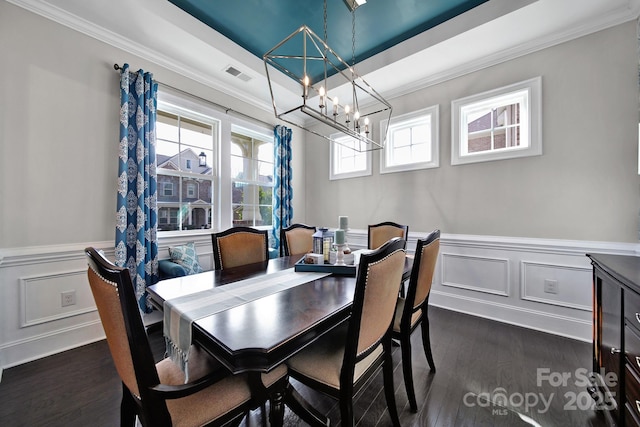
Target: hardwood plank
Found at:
472, 355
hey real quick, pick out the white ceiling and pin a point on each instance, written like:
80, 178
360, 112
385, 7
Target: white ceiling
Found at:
493, 32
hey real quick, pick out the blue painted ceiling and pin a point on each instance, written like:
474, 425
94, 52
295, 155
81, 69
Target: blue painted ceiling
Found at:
258, 25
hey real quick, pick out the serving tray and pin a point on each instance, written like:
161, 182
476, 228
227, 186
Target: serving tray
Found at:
338, 270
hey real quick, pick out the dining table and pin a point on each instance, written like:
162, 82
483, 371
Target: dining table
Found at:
257, 334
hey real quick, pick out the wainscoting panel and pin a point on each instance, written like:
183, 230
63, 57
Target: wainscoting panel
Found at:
482, 274
41, 297
538, 281
501, 278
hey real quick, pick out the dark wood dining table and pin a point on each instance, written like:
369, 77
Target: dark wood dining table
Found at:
261, 334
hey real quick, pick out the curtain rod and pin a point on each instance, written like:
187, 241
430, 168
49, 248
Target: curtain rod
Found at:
227, 110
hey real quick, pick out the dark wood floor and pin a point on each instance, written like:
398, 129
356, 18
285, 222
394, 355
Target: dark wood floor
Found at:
477, 361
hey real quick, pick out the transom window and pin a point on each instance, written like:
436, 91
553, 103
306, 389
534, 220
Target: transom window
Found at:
345, 160
412, 141
251, 177
499, 124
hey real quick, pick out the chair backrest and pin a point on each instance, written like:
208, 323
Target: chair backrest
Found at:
239, 246
374, 301
297, 239
118, 309
380, 233
424, 265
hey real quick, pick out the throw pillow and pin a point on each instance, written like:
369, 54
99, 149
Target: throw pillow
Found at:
187, 257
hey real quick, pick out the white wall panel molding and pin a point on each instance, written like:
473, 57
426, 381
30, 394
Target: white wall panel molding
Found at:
496, 277
11, 257
476, 273
568, 281
41, 297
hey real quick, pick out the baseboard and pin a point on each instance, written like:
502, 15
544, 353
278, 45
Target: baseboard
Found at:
43, 345
565, 326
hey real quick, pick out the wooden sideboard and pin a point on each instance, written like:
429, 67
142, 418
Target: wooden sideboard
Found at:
616, 337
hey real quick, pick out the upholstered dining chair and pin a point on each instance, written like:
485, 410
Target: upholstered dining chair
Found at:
238, 246
157, 393
413, 310
344, 359
379, 233
297, 239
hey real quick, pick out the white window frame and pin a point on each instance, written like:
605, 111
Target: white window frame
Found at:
262, 135
177, 104
530, 122
335, 149
407, 121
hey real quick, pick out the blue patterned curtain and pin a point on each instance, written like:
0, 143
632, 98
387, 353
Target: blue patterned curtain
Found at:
137, 213
282, 190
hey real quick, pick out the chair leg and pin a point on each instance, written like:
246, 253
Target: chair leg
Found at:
407, 371
127, 408
346, 409
387, 372
426, 342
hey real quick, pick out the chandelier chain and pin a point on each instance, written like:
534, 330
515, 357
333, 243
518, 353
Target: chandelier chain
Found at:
353, 38
325, 21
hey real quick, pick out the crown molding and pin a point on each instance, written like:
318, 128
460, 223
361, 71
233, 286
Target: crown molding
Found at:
617, 17
111, 38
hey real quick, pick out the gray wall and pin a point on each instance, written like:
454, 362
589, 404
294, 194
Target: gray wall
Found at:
583, 187
59, 105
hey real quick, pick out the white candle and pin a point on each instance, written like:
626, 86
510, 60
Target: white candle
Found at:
305, 83
321, 93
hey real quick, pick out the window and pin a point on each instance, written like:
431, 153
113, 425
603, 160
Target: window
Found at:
345, 161
186, 201
500, 124
251, 177
167, 189
412, 142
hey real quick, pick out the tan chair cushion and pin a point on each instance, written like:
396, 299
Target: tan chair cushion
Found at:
299, 240
214, 401
380, 235
242, 248
383, 285
322, 360
398, 316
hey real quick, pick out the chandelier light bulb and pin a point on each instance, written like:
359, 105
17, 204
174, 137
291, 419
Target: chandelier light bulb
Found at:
366, 125
305, 83
335, 106
347, 109
321, 93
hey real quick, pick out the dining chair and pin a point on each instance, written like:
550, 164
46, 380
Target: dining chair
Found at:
343, 360
379, 233
238, 246
413, 310
297, 239
157, 393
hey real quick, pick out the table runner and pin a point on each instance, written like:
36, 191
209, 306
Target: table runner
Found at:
179, 313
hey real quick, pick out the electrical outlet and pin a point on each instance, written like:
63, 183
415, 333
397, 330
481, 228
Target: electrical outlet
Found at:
68, 298
551, 286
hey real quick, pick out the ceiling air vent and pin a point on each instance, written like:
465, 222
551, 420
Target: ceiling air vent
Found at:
237, 73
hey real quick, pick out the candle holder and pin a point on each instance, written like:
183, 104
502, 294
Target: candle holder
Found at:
340, 254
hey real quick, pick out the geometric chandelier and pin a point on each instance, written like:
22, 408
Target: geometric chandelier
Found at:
321, 75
